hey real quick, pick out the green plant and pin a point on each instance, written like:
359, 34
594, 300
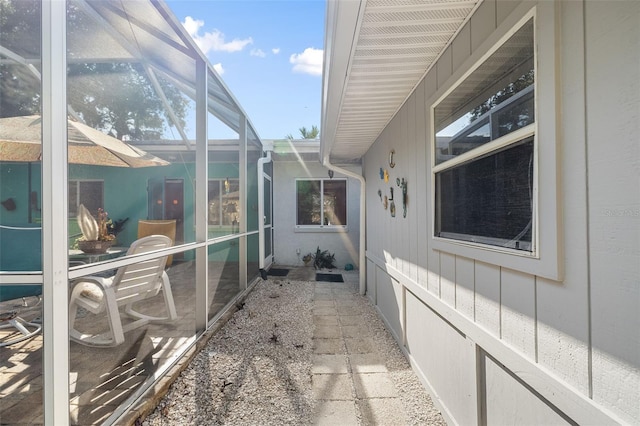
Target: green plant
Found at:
323, 259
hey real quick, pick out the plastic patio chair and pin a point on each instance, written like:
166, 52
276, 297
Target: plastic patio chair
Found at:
23, 329
131, 284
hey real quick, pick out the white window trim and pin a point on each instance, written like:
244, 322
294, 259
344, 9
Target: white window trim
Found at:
321, 227
546, 258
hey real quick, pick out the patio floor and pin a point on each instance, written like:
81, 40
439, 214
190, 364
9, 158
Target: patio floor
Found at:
102, 378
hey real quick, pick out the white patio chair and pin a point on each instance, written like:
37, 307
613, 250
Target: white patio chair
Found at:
130, 284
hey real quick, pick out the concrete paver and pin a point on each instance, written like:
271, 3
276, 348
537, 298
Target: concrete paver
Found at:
328, 346
355, 331
350, 319
351, 384
332, 386
359, 345
329, 364
331, 413
325, 311
326, 332
367, 363
374, 385
382, 411
325, 320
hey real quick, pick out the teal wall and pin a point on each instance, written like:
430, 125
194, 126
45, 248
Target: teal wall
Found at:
125, 192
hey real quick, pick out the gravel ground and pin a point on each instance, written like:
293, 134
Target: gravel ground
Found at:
257, 369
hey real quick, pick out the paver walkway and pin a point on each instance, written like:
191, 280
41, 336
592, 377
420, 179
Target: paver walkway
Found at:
350, 382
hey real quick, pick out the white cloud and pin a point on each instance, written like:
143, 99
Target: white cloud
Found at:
214, 40
275, 50
257, 52
218, 68
307, 62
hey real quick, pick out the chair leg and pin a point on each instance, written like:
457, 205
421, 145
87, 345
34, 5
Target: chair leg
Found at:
23, 327
113, 337
114, 317
168, 297
169, 304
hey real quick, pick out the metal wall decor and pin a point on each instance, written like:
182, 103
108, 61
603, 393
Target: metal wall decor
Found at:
403, 184
392, 163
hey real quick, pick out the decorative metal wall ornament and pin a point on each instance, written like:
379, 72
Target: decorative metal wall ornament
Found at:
393, 209
381, 173
392, 163
380, 194
386, 175
403, 184
9, 204
385, 202
391, 190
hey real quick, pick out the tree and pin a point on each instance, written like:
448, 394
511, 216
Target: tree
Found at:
502, 95
19, 32
115, 97
314, 133
118, 98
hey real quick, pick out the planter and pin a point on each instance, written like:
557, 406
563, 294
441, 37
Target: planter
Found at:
95, 247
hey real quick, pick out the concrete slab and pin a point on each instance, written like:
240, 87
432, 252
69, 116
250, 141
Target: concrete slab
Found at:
331, 413
323, 296
328, 346
324, 304
350, 319
355, 331
329, 364
331, 386
325, 311
326, 332
374, 385
367, 363
325, 320
382, 411
349, 310
359, 346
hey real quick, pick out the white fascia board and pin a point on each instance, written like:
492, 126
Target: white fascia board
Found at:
342, 26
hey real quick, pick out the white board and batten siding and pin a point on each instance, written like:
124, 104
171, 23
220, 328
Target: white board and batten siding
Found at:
499, 345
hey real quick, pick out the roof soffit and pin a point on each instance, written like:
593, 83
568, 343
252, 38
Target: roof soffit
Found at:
389, 46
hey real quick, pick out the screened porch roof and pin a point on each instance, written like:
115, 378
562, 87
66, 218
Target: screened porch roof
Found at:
144, 32
376, 53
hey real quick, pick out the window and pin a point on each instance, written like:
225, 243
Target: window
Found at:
484, 150
321, 202
90, 193
224, 202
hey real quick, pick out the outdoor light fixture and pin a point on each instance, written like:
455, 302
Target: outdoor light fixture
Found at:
330, 174
227, 186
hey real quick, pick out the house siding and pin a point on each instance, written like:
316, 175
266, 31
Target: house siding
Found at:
500, 345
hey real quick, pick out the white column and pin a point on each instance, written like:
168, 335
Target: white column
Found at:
201, 201
242, 171
54, 214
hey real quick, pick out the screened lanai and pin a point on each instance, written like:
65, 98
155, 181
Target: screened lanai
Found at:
129, 71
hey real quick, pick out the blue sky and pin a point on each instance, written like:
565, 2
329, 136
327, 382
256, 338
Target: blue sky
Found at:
269, 54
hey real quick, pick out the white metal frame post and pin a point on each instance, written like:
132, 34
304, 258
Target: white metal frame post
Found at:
242, 174
202, 164
54, 213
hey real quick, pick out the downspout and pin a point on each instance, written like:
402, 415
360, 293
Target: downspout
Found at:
268, 147
363, 226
